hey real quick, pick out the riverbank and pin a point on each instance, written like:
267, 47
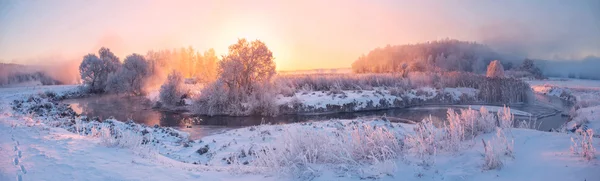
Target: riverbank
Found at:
583, 94
40, 150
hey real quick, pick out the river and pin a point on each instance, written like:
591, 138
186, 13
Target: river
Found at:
139, 109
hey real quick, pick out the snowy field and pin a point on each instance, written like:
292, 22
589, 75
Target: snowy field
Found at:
33, 149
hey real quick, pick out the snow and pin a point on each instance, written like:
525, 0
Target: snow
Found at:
496, 109
460, 91
321, 99
569, 83
52, 153
586, 94
589, 116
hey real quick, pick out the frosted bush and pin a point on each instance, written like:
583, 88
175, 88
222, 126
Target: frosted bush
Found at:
531, 124
466, 124
171, 91
505, 118
423, 142
507, 146
262, 101
454, 131
349, 147
115, 136
582, 144
423, 79
490, 157
487, 121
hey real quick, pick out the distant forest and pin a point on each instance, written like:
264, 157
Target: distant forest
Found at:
465, 56
441, 55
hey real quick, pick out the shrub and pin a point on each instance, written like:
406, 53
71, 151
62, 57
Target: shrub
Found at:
423, 79
115, 136
490, 157
465, 125
505, 118
507, 145
262, 101
423, 142
171, 91
582, 144
300, 147
214, 100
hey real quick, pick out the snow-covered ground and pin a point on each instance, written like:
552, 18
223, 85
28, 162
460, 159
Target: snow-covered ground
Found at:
378, 98
33, 150
584, 93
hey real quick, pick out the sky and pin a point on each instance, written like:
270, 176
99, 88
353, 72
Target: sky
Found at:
306, 34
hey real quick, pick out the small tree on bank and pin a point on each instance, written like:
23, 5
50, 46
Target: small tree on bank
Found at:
495, 69
171, 91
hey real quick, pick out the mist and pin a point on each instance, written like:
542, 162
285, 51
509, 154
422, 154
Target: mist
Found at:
537, 29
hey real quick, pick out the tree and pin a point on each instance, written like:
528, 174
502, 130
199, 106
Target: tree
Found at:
495, 69
135, 70
131, 76
530, 67
94, 72
207, 66
171, 91
527, 64
243, 84
247, 64
106, 55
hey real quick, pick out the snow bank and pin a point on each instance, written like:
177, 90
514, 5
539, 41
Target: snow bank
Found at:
378, 98
584, 93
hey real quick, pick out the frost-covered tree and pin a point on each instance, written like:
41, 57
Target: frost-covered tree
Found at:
207, 66
444, 55
94, 72
530, 67
106, 55
135, 71
171, 91
131, 76
495, 69
244, 76
247, 64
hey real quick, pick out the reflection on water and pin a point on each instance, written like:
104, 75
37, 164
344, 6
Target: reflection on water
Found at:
121, 108
139, 110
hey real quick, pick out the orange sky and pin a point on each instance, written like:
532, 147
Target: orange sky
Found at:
302, 34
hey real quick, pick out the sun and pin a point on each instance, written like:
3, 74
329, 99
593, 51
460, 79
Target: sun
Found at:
230, 32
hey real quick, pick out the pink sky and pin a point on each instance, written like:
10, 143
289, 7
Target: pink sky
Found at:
302, 34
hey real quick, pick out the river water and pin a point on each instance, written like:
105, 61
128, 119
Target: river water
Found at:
139, 109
